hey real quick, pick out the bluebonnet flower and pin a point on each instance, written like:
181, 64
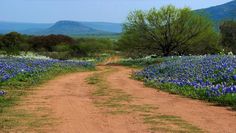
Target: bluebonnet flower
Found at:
234, 77
2, 93
216, 73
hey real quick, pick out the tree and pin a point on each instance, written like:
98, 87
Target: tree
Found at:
61, 48
26, 47
1, 43
46, 43
11, 42
93, 46
165, 32
228, 33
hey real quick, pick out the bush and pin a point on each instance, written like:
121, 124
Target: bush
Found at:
11, 43
92, 46
61, 47
46, 43
57, 55
228, 33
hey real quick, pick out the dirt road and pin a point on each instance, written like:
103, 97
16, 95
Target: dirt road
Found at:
108, 101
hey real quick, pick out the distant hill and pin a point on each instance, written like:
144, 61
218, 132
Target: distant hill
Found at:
71, 28
6, 27
62, 27
221, 12
104, 26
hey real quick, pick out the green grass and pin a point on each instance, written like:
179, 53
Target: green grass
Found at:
191, 92
140, 62
108, 36
176, 124
19, 87
145, 108
93, 79
145, 61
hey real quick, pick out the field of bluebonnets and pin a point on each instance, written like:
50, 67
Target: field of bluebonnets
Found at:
19, 73
11, 67
211, 77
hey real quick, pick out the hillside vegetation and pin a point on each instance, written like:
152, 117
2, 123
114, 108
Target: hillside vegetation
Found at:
219, 13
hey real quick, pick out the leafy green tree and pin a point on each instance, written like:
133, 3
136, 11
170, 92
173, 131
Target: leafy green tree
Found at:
76, 50
11, 42
61, 47
25, 47
166, 31
1, 43
228, 33
92, 46
206, 45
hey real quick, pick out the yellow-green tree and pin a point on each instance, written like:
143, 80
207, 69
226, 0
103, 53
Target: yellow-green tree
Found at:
167, 31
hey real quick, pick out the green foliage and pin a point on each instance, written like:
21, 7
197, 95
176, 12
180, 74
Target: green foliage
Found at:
61, 51
10, 43
46, 43
145, 61
26, 47
61, 47
228, 32
93, 46
140, 62
55, 46
57, 55
168, 31
80, 48
1, 43
101, 36
205, 45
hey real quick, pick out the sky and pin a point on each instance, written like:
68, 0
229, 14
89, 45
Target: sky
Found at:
50, 11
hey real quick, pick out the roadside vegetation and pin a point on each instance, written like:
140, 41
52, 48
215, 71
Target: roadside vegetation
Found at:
140, 62
55, 46
19, 74
210, 78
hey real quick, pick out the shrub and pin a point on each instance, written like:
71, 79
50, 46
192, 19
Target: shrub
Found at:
11, 42
228, 33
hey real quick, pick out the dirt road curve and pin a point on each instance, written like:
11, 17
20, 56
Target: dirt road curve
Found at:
70, 99
210, 118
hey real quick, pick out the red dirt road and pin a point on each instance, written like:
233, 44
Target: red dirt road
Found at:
69, 98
